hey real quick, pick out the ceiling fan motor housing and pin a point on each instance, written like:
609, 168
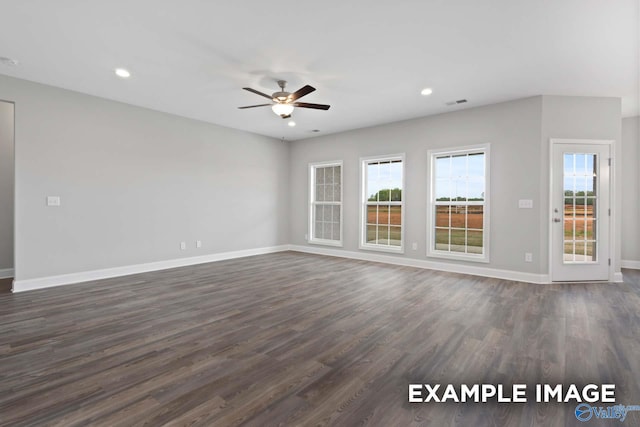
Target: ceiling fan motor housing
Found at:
280, 96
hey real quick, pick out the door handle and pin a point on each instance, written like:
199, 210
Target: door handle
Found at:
557, 220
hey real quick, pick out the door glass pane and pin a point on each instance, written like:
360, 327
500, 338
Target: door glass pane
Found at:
591, 251
589, 229
580, 201
568, 164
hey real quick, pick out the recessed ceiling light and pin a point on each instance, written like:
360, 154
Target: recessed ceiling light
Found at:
121, 72
426, 91
8, 61
291, 123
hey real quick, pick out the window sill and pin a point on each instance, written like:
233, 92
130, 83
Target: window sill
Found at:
334, 243
459, 257
381, 248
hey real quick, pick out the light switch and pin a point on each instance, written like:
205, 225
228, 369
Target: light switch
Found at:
53, 200
525, 204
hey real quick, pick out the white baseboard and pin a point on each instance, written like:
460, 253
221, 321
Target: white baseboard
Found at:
630, 264
85, 276
5, 273
428, 264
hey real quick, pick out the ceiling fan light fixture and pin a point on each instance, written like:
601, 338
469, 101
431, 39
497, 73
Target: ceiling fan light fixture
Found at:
282, 109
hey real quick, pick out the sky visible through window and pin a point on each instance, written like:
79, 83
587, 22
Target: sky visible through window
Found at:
460, 177
383, 175
579, 172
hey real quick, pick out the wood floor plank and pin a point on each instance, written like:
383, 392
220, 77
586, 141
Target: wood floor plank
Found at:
296, 339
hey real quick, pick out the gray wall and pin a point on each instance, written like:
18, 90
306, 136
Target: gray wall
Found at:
512, 129
631, 189
6, 185
134, 183
519, 133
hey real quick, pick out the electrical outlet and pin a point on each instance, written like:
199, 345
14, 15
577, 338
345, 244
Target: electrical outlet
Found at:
183, 245
414, 246
528, 257
198, 243
53, 200
306, 237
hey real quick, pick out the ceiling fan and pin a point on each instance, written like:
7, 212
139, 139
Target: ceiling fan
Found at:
284, 102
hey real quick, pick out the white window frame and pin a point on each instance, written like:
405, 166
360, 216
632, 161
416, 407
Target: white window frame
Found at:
363, 204
431, 204
312, 203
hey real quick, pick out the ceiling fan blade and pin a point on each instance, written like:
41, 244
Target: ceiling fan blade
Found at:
253, 106
257, 92
315, 106
301, 92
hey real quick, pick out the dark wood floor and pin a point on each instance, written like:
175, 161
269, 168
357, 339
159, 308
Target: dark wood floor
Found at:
5, 285
297, 339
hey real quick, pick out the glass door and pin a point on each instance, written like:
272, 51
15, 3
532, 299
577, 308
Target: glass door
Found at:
580, 212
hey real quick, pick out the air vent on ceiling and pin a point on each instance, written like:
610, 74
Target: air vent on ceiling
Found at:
459, 101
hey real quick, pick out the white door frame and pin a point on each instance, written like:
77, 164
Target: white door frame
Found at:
612, 199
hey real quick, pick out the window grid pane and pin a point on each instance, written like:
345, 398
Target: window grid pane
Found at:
459, 187
383, 206
326, 203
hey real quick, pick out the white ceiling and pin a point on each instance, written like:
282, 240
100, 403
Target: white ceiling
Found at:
368, 59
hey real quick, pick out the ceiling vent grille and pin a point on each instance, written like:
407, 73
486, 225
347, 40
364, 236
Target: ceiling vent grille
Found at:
459, 101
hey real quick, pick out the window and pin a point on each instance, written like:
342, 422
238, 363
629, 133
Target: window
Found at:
325, 212
459, 209
382, 204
